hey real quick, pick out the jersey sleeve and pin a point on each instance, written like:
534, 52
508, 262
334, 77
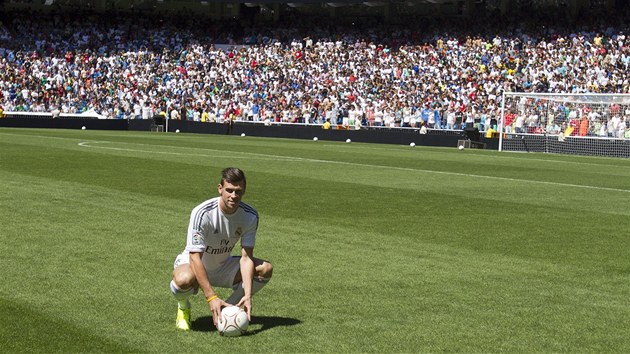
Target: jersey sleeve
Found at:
196, 238
248, 239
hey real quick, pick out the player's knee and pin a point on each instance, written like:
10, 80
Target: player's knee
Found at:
184, 279
266, 270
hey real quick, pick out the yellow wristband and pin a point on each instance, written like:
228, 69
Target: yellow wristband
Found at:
212, 298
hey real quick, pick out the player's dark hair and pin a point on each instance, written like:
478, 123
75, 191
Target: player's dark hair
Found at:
233, 175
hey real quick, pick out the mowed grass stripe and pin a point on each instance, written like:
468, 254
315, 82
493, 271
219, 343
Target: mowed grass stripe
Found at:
85, 255
204, 146
524, 171
457, 183
367, 259
28, 330
474, 294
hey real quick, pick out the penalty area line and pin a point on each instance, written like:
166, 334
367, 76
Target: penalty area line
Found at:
472, 175
407, 169
89, 144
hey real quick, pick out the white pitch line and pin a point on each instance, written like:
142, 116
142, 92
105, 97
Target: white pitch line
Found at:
507, 156
276, 157
379, 148
475, 176
258, 156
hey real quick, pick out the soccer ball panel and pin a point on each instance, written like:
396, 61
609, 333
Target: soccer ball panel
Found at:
233, 322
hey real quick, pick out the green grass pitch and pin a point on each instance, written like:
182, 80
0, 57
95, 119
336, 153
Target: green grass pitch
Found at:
376, 248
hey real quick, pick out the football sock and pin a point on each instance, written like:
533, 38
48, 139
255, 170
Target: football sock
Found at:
181, 295
238, 293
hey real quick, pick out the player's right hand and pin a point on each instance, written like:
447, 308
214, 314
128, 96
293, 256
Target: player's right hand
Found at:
215, 308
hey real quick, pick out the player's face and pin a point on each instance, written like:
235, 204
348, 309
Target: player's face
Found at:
230, 195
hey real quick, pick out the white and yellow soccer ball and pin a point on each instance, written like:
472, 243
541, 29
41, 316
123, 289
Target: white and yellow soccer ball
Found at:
233, 321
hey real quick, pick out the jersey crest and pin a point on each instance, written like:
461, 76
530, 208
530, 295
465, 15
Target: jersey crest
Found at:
196, 240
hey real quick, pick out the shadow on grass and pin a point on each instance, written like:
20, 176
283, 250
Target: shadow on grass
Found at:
204, 323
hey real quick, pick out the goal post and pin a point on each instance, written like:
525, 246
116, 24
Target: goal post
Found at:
566, 123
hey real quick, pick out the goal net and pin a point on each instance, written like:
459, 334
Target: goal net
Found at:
583, 124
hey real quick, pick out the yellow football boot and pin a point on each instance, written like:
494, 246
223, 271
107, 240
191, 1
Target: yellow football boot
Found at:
183, 319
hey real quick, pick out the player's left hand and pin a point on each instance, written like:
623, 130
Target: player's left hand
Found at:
246, 302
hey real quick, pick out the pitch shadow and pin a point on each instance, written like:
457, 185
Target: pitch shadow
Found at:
204, 323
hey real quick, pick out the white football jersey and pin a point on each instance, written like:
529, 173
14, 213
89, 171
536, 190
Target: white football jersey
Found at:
215, 234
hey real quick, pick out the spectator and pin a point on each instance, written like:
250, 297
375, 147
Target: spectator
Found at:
326, 124
120, 65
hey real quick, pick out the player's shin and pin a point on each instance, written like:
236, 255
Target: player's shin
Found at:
238, 293
182, 295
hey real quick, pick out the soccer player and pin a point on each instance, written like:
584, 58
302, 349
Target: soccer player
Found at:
215, 227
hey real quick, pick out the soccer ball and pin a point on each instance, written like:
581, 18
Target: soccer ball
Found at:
242, 134
412, 144
233, 321
315, 139
348, 141
177, 131
461, 147
83, 127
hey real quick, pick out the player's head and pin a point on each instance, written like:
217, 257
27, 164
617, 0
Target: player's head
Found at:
231, 189
233, 175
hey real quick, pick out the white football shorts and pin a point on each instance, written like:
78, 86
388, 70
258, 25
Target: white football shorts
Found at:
222, 277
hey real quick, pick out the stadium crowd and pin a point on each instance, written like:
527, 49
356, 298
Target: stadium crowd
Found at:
439, 76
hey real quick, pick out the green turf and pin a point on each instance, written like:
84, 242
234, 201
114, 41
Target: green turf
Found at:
376, 248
